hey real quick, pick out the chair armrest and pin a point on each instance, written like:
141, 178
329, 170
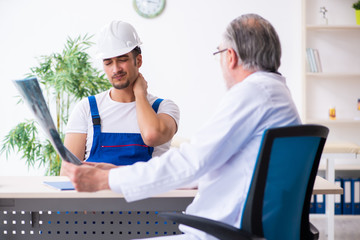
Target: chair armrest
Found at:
220, 230
314, 232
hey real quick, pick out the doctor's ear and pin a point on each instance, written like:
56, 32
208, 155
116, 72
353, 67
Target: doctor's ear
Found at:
231, 58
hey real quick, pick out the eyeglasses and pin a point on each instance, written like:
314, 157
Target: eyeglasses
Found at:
217, 55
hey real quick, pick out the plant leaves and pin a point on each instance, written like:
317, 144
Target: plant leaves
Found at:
66, 77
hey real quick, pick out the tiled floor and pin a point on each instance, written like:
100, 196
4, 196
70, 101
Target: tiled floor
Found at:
346, 227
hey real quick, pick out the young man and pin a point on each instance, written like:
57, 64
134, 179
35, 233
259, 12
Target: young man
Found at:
125, 124
222, 155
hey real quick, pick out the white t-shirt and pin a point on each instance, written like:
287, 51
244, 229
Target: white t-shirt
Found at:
116, 117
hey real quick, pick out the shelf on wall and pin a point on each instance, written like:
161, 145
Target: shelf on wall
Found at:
333, 75
333, 27
341, 167
337, 121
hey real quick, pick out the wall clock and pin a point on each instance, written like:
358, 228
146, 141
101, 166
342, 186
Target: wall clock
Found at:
149, 8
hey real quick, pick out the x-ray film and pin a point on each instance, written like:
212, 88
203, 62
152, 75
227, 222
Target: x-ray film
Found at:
30, 90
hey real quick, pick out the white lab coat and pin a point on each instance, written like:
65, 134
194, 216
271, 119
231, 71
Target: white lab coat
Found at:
221, 156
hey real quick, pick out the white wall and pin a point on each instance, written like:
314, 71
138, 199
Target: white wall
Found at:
177, 49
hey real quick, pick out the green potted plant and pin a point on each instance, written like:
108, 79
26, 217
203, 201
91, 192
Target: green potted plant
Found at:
356, 6
65, 78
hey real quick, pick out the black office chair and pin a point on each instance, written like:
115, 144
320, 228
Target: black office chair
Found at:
278, 201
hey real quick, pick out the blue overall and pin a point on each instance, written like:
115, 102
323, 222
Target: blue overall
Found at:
117, 148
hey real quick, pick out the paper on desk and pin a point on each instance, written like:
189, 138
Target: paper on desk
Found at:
65, 185
31, 92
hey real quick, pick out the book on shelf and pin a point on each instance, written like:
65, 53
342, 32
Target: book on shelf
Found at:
313, 59
309, 60
317, 60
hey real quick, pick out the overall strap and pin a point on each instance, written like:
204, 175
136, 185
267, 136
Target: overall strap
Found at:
156, 104
95, 114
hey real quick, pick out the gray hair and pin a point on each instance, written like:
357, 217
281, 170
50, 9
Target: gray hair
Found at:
255, 42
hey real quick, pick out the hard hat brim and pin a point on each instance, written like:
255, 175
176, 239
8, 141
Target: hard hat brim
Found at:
113, 54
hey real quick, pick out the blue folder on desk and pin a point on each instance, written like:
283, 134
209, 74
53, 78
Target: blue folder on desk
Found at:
338, 198
348, 196
63, 186
320, 203
312, 204
356, 209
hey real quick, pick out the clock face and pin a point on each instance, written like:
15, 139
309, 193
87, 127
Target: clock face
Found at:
149, 8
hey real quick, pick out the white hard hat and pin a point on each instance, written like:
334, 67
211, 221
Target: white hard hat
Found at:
117, 38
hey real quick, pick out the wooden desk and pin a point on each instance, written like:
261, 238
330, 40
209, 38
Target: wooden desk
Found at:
322, 186
15, 192
31, 210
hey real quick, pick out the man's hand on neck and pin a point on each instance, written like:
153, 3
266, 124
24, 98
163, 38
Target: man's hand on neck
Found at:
140, 87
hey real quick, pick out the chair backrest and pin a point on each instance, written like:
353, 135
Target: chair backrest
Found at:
278, 202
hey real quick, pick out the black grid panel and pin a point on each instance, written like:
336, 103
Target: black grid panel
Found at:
84, 225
